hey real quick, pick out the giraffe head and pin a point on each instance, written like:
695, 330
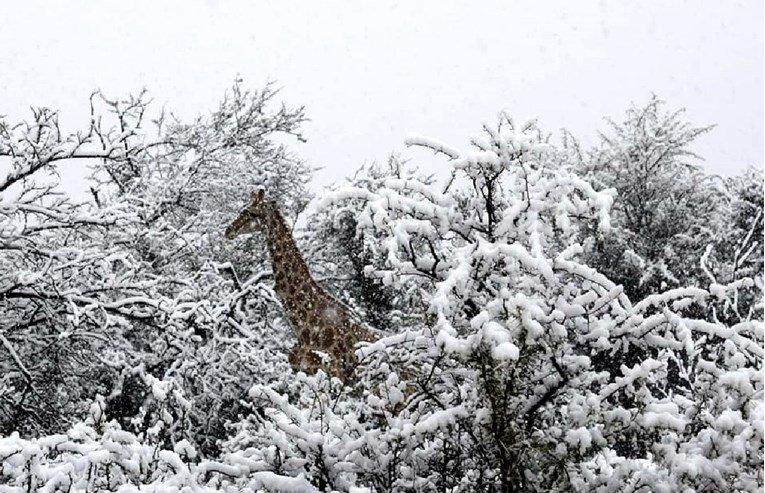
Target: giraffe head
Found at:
250, 218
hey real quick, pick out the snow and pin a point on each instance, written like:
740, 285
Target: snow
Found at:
532, 332
579, 438
436, 145
505, 351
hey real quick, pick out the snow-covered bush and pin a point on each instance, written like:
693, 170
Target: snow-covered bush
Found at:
137, 278
535, 371
340, 254
667, 209
738, 251
98, 455
145, 354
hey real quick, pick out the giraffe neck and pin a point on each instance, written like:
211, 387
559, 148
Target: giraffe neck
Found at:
290, 270
320, 321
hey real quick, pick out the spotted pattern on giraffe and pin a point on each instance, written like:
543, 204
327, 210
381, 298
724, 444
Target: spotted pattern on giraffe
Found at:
321, 322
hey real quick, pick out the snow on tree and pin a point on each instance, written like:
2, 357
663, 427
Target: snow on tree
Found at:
67, 293
191, 182
140, 352
137, 283
666, 211
536, 372
341, 254
738, 251
674, 224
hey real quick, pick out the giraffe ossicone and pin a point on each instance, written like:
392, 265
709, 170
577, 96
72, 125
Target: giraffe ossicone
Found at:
323, 325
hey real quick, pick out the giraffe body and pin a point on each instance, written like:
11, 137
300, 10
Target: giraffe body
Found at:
322, 324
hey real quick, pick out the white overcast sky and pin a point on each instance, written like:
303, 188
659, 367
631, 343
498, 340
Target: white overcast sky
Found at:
369, 73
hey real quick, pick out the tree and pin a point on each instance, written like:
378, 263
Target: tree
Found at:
342, 254
666, 209
99, 298
510, 364
505, 387
738, 249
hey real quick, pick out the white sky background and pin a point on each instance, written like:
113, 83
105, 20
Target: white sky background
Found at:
369, 73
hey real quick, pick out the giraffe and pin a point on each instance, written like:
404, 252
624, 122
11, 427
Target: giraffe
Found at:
321, 322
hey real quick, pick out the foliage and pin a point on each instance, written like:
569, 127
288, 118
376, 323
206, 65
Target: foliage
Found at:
667, 210
554, 319
138, 279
